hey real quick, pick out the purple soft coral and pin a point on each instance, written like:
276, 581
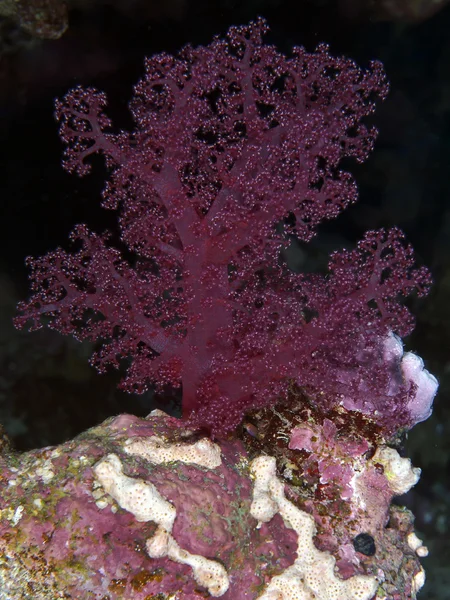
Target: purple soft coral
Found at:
231, 140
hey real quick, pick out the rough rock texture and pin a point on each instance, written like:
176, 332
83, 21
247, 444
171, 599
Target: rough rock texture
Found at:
145, 509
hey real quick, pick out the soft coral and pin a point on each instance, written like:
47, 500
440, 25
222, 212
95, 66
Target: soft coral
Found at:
235, 148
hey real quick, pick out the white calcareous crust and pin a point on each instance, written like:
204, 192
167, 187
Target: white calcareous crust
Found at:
312, 574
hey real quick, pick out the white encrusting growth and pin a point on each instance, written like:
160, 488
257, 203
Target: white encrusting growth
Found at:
208, 573
202, 453
312, 574
416, 544
134, 495
400, 473
418, 582
143, 500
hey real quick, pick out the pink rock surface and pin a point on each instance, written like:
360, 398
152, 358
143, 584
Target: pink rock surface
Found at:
63, 536
57, 542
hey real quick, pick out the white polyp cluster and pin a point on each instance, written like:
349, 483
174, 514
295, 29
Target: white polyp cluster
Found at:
143, 500
312, 574
203, 453
400, 473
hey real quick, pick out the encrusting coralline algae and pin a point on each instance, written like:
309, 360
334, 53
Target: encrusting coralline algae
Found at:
155, 523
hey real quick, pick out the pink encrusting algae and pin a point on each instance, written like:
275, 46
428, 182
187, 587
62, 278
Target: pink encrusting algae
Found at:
97, 518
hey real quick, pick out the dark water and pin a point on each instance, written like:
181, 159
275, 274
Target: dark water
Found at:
47, 391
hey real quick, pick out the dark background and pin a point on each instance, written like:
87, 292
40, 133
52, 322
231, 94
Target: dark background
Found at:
48, 392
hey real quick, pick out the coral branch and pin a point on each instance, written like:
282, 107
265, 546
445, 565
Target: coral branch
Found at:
236, 148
